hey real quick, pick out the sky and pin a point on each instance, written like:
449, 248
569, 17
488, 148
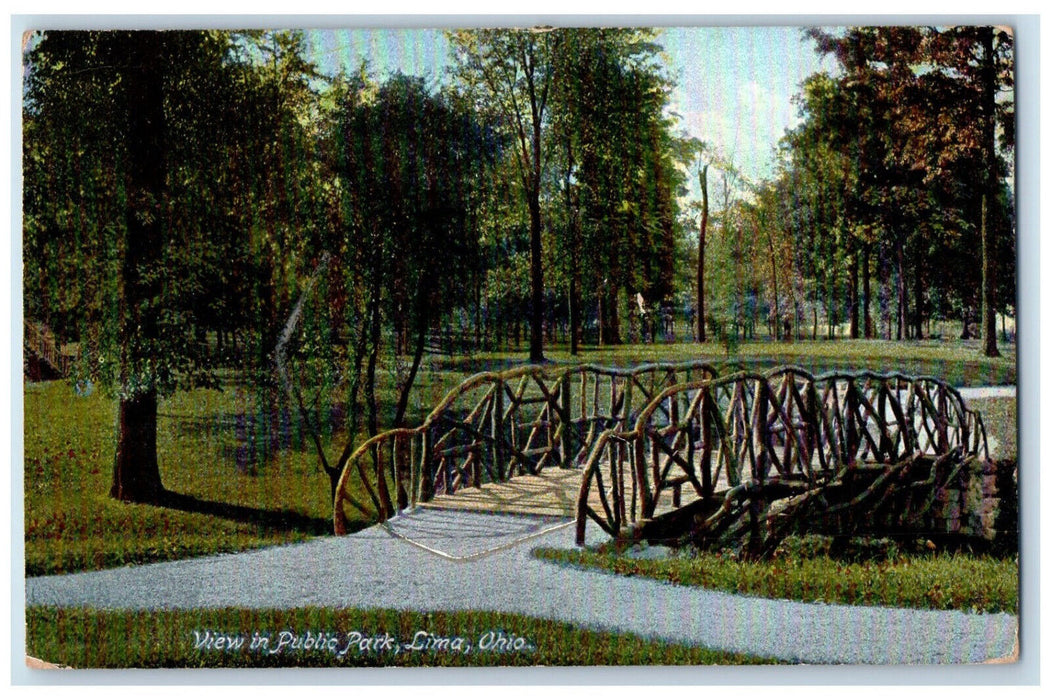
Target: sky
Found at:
734, 84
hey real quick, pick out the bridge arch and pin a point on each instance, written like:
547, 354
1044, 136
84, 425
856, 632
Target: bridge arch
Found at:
498, 425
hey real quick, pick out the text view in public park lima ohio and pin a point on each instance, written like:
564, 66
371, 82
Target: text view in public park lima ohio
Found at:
519, 346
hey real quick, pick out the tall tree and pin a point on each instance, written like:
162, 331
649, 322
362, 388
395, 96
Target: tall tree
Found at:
931, 102
410, 167
702, 241
512, 71
622, 161
121, 128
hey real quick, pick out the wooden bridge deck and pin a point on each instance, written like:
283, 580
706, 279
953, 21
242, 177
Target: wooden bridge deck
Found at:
554, 492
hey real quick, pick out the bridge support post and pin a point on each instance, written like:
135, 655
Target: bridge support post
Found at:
498, 429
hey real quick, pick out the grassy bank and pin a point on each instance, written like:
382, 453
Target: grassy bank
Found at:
234, 490
166, 639
959, 362
936, 581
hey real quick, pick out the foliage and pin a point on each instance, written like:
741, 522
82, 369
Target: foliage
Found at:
510, 73
183, 190
221, 125
144, 154
408, 166
620, 166
887, 172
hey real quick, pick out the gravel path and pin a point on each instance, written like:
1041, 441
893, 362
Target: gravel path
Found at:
987, 392
448, 560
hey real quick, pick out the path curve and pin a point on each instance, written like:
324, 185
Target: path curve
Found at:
488, 565
987, 392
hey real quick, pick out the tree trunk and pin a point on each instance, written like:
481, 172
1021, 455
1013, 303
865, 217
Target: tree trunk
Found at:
135, 471
989, 348
610, 319
480, 332
422, 323
536, 262
777, 294
701, 241
903, 302
988, 78
374, 350
866, 290
574, 311
136, 474
918, 297
854, 306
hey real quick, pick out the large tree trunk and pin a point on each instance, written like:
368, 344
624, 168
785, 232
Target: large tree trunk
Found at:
701, 241
989, 348
136, 476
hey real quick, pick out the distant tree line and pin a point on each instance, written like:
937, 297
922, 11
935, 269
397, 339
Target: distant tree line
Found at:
893, 203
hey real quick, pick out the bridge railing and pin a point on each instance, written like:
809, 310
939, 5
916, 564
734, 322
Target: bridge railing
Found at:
749, 429
498, 425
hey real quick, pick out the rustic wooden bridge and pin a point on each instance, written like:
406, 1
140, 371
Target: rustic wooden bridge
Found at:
634, 449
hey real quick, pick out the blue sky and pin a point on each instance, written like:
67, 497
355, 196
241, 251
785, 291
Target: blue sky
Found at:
734, 92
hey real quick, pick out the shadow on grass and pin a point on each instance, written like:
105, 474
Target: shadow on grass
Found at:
269, 520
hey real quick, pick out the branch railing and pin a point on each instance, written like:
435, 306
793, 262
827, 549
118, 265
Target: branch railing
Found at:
707, 440
499, 425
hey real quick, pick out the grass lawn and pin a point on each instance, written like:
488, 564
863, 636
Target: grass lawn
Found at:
246, 495
959, 362
165, 639
247, 476
937, 581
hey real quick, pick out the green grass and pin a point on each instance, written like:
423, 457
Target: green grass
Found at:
959, 362
235, 451
936, 581
72, 524
165, 639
